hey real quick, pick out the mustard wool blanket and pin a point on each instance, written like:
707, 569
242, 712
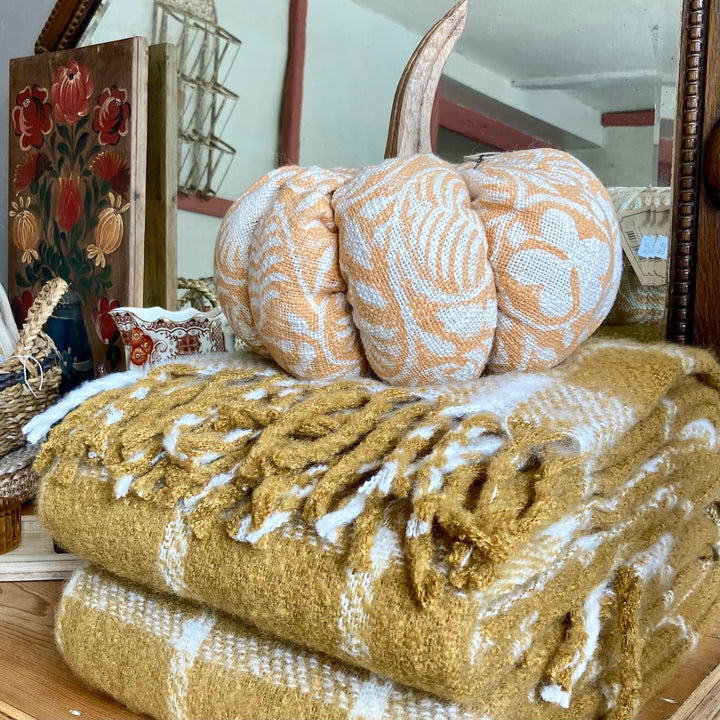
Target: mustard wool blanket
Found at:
471, 540
183, 660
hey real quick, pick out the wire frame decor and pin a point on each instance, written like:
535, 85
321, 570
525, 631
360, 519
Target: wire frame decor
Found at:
206, 53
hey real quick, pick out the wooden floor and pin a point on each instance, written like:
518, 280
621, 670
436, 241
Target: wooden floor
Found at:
36, 683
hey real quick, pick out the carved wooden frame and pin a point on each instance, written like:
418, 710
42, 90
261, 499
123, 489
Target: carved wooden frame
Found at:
65, 24
686, 180
694, 243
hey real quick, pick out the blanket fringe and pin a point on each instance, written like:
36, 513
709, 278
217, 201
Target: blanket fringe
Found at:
259, 450
628, 589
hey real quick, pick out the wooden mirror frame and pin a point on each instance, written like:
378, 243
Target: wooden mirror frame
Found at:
693, 308
694, 282
65, 24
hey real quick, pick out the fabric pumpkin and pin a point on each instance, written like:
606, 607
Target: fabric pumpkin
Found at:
418, 270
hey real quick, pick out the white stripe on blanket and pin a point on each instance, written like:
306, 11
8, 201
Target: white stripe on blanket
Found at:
284, 665
171, 558
359, 593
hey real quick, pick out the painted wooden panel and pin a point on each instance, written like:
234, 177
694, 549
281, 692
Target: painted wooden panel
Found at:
77, 157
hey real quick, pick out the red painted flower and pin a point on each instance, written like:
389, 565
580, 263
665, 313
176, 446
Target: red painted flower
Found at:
71, 92
105, 326
31, 116
30, 168
20, 307
69, 207
111, 115
138, 356
141, 346
111, 166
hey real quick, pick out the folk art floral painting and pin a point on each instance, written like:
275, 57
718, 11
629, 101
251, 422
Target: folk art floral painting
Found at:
76, 194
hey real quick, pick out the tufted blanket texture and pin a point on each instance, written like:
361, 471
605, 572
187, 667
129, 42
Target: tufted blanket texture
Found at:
184, 660
478, 541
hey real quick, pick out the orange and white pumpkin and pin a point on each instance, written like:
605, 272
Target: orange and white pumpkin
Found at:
417, 270
420, 271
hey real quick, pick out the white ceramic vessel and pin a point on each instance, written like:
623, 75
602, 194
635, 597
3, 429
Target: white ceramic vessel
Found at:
155, 335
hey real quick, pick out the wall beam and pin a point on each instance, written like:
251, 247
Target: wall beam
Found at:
482, 129
293, 87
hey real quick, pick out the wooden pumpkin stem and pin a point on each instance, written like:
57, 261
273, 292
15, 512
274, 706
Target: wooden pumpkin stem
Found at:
410, 120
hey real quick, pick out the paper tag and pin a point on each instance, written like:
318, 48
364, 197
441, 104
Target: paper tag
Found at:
653, 246
646, 250
647, 247
662, 247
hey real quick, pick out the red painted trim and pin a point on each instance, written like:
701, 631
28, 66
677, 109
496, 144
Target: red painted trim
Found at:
217, 206
636, 118
485, 130
435, 122
665, 160
293, 87
665, 150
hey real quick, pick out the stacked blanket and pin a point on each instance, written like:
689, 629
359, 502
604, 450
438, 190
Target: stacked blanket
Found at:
538, 545
170, 657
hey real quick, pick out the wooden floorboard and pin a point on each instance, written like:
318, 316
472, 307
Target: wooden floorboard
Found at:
704, 702
36, 683
695, 668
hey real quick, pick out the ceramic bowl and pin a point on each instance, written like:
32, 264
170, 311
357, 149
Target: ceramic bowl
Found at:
152, 336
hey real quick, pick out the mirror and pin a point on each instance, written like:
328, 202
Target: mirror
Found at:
596, 79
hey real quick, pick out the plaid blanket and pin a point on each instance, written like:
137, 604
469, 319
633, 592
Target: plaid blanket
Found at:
475, 541
184, 660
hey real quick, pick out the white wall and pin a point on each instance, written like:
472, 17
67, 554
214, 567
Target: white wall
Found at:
20, 24
627, 158
253, 128
354, 59
196, 244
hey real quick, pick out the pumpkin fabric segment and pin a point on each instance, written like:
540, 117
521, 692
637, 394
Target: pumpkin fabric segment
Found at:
297, 295
415, 257
423, 272
554, 245
232, 255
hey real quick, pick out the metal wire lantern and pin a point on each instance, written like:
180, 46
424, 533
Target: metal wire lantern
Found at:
206, 53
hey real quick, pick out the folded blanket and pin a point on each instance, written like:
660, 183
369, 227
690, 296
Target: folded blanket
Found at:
183, 660
467, 540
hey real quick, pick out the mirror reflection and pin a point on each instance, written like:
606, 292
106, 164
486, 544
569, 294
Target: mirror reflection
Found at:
595, 79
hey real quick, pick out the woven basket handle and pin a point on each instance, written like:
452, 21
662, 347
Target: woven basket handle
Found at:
196, 286
39, 312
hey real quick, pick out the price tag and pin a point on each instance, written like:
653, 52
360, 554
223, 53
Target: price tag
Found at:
662, 247
645, 243
647, 247
653, 246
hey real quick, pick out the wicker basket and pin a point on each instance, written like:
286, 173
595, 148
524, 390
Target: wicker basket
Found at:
30, 378
17, 477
